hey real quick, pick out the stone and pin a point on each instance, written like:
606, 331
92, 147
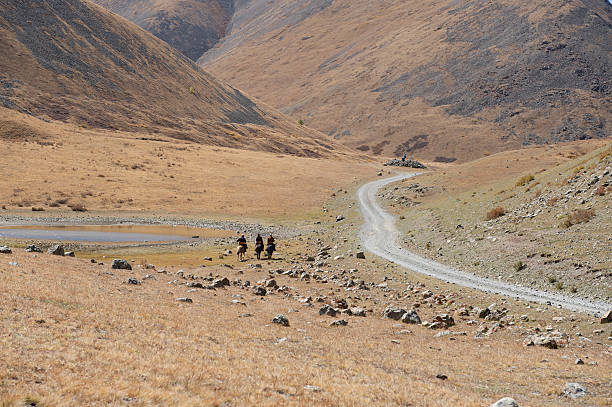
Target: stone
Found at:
195, 285
574, 390
271, 283
358, 312
607, 318
442, 321
5, 250
310, 387
411, 317
482, 313
441, 376
339, 218
259, 290
281, 320
505, 402
69, 254
132, 281
184, 299
393, 313
340, 322
120, 264
57, 250
327, 310
150, 266
32, 248
579, 361
360, 255
207, 259
221, 282
541, 340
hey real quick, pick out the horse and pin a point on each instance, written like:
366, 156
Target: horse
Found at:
270, 248
259, 247
240, 251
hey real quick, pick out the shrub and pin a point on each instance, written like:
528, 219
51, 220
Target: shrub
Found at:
496, 213
192, 90
552, 201
552, 279
581, 216
301, 122
524, 180
559, 285
518, 266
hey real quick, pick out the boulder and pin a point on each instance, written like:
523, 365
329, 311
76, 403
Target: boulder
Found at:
360, 255
32, 248
221, 282
574, 390
505, 402
5, 250
57, 250
405, 163
259, 290
411, 317
69, 254
442, 321
281, 320
327, 310
607, 318
541, 340
340, 322
358, 312
132, 281
393, 313
120, 264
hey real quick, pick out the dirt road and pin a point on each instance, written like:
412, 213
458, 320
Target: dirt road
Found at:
380, 236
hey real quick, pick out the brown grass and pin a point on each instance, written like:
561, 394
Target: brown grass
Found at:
552, 201
524, 180
496, 213
601, 191
578, 216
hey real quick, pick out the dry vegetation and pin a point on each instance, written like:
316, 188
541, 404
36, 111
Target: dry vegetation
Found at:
495, 213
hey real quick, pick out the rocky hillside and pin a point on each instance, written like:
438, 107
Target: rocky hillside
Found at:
190, 26
445, 81
73, 61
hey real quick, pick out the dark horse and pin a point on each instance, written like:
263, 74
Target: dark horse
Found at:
270, 248
259, 247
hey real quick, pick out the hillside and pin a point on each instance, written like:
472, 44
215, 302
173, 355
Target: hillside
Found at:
73, 61
190, 26
445, 81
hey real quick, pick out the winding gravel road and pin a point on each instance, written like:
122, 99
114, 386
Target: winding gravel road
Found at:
380, 236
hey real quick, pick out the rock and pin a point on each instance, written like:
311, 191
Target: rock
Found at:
310, 387
574, 390
281, 320
450, 333
69, 254
340, 218
121, 264
5, 250
32, 249
195, 285
227, 252
607, 318
358, 312
441, 376
579, 361
505, 402
259, 290
541, 340
184, 299
405, 163
411, 317
327, 310
150, 266
482, 313
393, 313
442, 321
57, 250
340, 322
132, 281
360, 255
221, 282
271, 283
207, 259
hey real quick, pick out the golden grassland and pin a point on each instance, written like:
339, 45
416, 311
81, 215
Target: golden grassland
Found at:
73, 333
56, 166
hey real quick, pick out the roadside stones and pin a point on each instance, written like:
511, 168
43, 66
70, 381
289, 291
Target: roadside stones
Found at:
442, 321
57, 250
393, 313
360, 255
118, 264
32, 248
574, 390
505, 402
259, 290
411, 317
607, 318
281, 320
328, 310
5, 250
132, 281
184, 299
340, 322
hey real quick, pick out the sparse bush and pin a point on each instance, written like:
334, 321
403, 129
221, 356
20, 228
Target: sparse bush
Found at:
559, 285
519, 265
552, 279
192, 90
578, 216
301, 122
601, 191
496, 213
552, 201
524, 180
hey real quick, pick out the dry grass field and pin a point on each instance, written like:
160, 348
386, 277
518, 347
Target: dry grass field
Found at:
74, 333
56, 166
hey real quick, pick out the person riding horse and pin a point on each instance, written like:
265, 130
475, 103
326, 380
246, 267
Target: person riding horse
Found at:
259, 246
242, 246
271, 246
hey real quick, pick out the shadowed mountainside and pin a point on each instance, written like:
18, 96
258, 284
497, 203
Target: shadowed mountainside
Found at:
444, 81
191, 26
73, 61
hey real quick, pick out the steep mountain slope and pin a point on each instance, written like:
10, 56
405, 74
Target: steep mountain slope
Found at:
191, 26
439, 80
73, 61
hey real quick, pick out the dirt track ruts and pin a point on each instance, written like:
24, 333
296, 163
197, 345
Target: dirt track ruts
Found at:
380, 236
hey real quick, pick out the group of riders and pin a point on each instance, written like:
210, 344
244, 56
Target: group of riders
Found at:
259, 246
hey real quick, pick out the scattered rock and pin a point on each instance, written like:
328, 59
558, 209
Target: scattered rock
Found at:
340, 322
328, 310
184, 299
132, 281
411, 317
281, 320
442, 321
574, 390
607, 318
259, 290
579, 361
5, 250
541, 340
360, 255
221, 282
358, 312
405, 163
505, 402
69, 254
119, 264
150, 266
310, 387
207, 259
393, 313
57, 250
195, 285
450, 333
32, 248
441, 376
340, 218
